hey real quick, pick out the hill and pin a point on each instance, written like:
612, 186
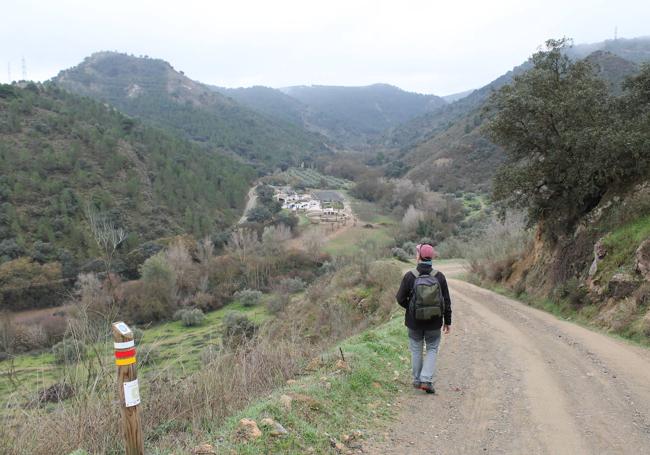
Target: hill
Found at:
60, 152
268, 101
153, 90
356, 114
446, 147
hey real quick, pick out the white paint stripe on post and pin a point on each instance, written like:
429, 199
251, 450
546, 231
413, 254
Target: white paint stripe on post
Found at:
124, 345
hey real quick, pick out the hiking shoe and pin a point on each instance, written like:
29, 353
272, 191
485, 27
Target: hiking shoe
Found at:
417, 384
427, 387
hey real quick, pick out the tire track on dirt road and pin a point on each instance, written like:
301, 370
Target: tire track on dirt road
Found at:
513, 380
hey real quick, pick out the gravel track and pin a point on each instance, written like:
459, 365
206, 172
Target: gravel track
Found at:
516, 380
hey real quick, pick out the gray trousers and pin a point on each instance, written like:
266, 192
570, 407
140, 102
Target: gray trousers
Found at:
424, 363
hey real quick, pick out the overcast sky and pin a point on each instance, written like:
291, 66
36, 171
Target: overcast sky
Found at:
423, 46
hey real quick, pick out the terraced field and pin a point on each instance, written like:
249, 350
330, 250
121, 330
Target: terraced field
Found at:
311, 178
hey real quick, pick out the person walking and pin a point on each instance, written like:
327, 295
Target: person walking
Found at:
425, 296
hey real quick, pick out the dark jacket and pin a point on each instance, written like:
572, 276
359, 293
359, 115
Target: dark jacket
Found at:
404, 296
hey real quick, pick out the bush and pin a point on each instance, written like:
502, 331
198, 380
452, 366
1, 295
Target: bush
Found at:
292, 285
409, 247
28, 338
54, 328
248, 297
277, 302
572, 291
69, 350
189, 316
192, 317
400, 254
237, 328
493, 253
145, 303
205, 301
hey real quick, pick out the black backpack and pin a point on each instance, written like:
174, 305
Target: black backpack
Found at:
427, 301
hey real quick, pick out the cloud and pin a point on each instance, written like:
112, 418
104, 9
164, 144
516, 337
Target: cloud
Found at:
424, 46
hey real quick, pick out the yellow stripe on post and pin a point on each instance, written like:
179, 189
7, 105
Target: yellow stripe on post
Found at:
127, 361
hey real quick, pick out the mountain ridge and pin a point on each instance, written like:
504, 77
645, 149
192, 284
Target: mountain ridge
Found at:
154, 91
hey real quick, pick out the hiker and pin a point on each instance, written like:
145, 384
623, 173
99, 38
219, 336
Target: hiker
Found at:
425, 296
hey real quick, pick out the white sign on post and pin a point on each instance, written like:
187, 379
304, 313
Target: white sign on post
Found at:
122, 328
131, 393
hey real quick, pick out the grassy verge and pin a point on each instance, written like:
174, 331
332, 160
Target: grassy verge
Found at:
563, 309
621, 244
332, 402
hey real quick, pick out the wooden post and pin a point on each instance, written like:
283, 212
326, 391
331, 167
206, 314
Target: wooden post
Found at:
128, 391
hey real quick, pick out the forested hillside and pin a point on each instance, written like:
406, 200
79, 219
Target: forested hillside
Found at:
154, 91
447, 148
356, 114
269, 101
61, 154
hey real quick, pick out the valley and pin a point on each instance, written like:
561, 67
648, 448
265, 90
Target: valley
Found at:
255, 237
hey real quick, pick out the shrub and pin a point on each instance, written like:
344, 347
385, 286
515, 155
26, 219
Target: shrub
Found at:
400, 254
205, 301
69, 350
572, 291
54, 328
248, 297
237, 328
495, 250
192, 317
409, 247
292, 285
277, 302
147, 302
28, 338
157, 269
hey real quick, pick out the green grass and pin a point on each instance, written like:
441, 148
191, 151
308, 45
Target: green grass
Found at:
621, 244
177, 348
351, 241
562, 309
355, 400
369, 212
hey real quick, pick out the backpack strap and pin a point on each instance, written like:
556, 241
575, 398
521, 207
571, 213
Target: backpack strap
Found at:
415, 272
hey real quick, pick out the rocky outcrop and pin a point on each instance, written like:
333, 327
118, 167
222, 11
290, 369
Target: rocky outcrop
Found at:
642, 260
622, 285
599, 254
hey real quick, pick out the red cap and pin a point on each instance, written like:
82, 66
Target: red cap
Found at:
426, 251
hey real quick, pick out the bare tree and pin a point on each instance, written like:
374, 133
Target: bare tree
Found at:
107, 236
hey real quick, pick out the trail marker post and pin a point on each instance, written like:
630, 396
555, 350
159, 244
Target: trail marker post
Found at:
128, 391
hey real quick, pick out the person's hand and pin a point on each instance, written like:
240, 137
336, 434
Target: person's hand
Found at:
446, 329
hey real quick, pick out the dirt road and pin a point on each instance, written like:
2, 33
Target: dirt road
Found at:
251, 201
515, 380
